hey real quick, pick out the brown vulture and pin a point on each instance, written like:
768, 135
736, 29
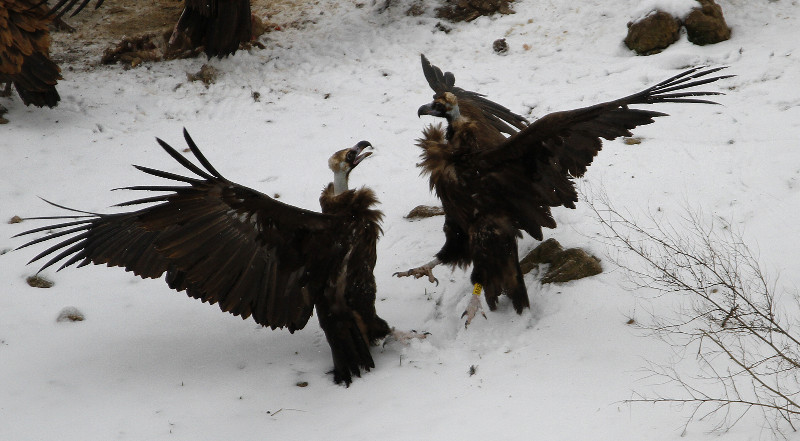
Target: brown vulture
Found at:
217, 25
256, 257
492, 186
25, 53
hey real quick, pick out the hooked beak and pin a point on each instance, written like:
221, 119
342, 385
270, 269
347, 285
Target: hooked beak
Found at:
428, 109
360, 153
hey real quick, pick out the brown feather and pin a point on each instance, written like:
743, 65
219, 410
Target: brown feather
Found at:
491, 187
25, 52
253, 256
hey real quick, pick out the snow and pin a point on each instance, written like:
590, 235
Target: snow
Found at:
676, 8
150, 364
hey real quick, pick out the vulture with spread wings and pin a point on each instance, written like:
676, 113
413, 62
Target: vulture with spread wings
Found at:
252, 255
494, 186
25, 53
216, 25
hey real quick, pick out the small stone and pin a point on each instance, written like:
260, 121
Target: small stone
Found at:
15, 220
653, 33
706, 25
545, 252
572, 264
565, 265
39, 282
424, 211
500, 46
207, 75
70, 314
302, 384
632, 140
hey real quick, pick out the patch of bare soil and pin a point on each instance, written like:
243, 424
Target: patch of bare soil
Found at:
120, 22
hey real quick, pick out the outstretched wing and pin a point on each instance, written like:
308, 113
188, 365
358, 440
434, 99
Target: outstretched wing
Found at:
221, 242
532, 169
498, 116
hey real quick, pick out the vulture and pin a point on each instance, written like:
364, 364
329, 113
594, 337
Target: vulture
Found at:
497, 175
217, 25
254, 256
25, 53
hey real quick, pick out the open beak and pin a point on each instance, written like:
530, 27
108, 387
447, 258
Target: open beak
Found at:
360, 153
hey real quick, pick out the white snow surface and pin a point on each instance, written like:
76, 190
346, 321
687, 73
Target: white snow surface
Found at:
148, 363
676, 8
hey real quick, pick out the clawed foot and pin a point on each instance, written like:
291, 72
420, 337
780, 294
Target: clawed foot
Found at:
473, 308
418, 272
403, 336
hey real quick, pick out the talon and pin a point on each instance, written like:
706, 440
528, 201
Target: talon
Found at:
419, 272
474, 306
403, 337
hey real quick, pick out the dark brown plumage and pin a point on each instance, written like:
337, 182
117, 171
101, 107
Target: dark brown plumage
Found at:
217, 25
25, 53
252, 255
492, 186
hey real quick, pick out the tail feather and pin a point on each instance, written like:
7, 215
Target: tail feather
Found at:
36, 81
349, 346
220, 29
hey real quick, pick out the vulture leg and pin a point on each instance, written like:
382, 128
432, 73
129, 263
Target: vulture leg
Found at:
424, 270
474, 306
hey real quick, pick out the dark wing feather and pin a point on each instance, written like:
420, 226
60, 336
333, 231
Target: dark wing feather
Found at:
573, 138
221, 242
218, 25
500, 117
64, 6
533, 169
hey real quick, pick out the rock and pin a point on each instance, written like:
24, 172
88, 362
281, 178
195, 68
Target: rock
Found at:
207, 75
424, 211
500, 46
468, 10
15, 220
70, 314
565, 265
544, 253
706, 25
653, 33
572, 264
39, 282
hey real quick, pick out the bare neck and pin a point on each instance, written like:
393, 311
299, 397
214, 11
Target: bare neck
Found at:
339, 183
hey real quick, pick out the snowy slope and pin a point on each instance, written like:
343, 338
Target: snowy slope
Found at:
150, 364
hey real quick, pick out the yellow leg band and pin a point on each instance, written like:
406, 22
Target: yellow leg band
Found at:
476, 291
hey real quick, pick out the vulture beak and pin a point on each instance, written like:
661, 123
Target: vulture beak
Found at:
428, 109
358, 154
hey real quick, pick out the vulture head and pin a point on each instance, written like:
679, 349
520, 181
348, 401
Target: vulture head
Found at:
344, 161
444, 105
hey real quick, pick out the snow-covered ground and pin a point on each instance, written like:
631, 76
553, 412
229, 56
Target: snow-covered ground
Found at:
151, 364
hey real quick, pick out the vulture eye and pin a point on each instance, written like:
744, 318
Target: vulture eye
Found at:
439, 107
351, 156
